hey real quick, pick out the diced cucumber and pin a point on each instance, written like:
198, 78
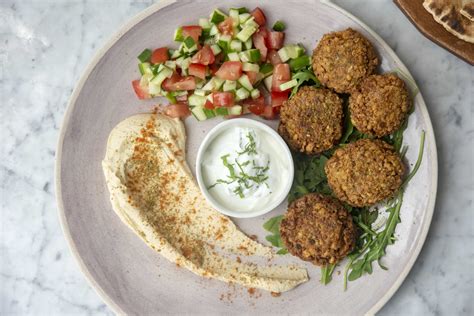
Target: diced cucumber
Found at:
170, 64
218, 83
230, 85
224, 42
161, 76
245, 82
199, 83
266, 69
244, 17
214, 84
222, 110
290, 52
234, 14
178, 35
196, 100
250, 55
217, 16
179, 93
250, 67
185, 63
255, 93
198, 113
288, 85
145, 79
241, 10
236, 45
251, 23
200, 92
214, 30
209, 113
248, 44
144, 56
145, 68
235, 110
279, 26
204, 23
154, 89
233, 56
241, 94
268, 83
247, 32
171, 98
190, 44
176, 54
216, 49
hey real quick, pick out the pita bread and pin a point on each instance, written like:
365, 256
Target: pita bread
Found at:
468, 10
447, 13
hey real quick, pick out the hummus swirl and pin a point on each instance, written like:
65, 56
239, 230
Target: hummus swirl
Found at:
153, 191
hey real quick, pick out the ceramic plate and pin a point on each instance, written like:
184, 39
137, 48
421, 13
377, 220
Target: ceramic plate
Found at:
134, 279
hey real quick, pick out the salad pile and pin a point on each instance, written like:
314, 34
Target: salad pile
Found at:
229, 64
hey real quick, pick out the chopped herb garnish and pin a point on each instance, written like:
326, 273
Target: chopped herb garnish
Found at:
237, 173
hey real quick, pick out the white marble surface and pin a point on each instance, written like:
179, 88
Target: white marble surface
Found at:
44, 47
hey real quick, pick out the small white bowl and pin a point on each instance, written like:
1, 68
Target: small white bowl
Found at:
242, 122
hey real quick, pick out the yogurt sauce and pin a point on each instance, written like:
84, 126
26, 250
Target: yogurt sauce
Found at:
244, 169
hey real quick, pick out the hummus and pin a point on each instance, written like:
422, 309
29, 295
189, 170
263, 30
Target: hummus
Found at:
153, 191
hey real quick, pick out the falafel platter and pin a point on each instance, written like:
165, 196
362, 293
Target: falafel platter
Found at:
257, 155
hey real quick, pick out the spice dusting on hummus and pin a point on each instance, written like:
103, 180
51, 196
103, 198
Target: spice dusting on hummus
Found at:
153, 191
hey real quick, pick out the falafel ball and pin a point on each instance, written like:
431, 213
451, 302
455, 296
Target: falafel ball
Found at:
317, 228
380, 105
365, 172
311, 120
343, 59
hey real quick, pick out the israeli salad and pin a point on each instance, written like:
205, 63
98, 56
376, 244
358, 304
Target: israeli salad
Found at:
227, 65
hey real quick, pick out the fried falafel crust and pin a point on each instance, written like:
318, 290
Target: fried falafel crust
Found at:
311, 120
343, 59
380, 105
365, 172
317, 228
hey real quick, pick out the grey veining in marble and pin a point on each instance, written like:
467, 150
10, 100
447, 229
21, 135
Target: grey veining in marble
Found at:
44, 47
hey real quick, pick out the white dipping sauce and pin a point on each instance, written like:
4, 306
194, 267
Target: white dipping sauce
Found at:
245, 169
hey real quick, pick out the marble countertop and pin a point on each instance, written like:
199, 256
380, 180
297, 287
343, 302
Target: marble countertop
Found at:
45, 46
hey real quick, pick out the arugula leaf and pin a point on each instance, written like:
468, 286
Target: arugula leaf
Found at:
304, 76
326, 273
273, 226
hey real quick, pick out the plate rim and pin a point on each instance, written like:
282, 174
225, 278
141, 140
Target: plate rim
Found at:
430, 137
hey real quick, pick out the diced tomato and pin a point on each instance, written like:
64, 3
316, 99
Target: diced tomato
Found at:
259, 43
226, 26
197, 70
213, 69
180, 110
281, 74
273, 57
223, 98
194, 31
160, 55
230, 70
256, 106
279, 97
185, 83
176, 82
204, 56
269, 113
168, 83
275, 40
259, 16
209, 105
140, 91
252, 76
